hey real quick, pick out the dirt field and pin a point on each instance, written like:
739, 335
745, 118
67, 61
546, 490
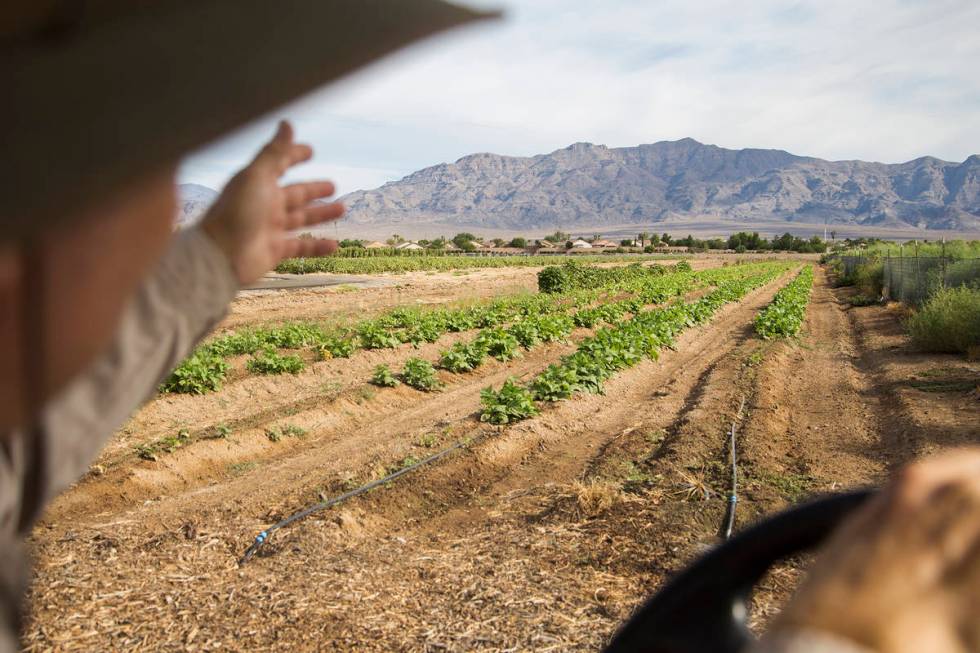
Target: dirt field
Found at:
540, 536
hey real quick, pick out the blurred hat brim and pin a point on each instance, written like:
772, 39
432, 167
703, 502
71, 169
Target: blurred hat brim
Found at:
98, 95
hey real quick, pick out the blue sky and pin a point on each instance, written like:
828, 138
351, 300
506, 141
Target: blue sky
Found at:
881, 80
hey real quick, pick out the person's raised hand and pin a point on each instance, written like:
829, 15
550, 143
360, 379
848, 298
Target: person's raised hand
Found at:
252, 219
903, 575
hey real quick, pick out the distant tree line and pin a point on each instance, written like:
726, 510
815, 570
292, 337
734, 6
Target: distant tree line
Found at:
739, 242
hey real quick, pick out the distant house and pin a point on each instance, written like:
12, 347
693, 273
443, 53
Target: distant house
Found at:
477, 245
409, 245
450, 247
581, 244
375, 244
604, 243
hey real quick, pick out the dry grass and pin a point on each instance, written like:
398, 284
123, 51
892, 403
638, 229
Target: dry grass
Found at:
595, 496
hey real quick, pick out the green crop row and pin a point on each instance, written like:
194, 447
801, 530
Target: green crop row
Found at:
572, 275
532, 330
426, 262
205, 370
614, 348
784, 316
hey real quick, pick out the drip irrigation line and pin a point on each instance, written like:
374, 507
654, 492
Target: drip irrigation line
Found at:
262, 538
733, 488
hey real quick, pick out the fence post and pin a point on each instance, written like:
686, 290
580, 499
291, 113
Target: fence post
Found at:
942, 263
918, 277
900, 295
887, 290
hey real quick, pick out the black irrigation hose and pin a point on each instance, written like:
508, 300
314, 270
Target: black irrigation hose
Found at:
263, 537
733, 492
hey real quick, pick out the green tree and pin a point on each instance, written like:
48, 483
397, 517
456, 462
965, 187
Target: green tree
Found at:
518, 242
464, 241
350, 242
665, 237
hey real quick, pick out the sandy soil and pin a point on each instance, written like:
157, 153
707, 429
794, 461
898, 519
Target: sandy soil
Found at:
540, 536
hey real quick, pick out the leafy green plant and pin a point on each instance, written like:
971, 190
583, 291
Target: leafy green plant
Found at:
499, 344
335, 347
384, 377
203, 372
555, 383
420, 374
218, 432
463, 357
268, 361
526, 332
276, 434
294, 335
145, 452
375, 336
554, 328
511, 403
427, 329
784, 315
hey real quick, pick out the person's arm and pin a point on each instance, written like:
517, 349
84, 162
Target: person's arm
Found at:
901, 576
245, 234
184, 298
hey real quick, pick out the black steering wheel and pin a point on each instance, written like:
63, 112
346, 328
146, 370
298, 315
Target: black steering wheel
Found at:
704, 608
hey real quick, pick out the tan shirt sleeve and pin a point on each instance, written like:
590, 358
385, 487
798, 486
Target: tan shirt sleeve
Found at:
184, 297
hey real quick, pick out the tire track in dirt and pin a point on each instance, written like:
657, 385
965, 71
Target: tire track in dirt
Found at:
820, 422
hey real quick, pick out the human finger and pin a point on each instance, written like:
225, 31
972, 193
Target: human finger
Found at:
311, 215
281, 153
299, 195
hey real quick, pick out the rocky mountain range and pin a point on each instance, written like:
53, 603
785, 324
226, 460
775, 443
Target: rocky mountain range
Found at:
586, 186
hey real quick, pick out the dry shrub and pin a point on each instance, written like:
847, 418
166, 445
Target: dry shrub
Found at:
595, 496
948, 322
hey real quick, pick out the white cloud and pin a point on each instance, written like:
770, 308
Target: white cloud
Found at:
888, 80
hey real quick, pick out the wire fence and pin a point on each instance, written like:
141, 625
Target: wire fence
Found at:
913, 279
